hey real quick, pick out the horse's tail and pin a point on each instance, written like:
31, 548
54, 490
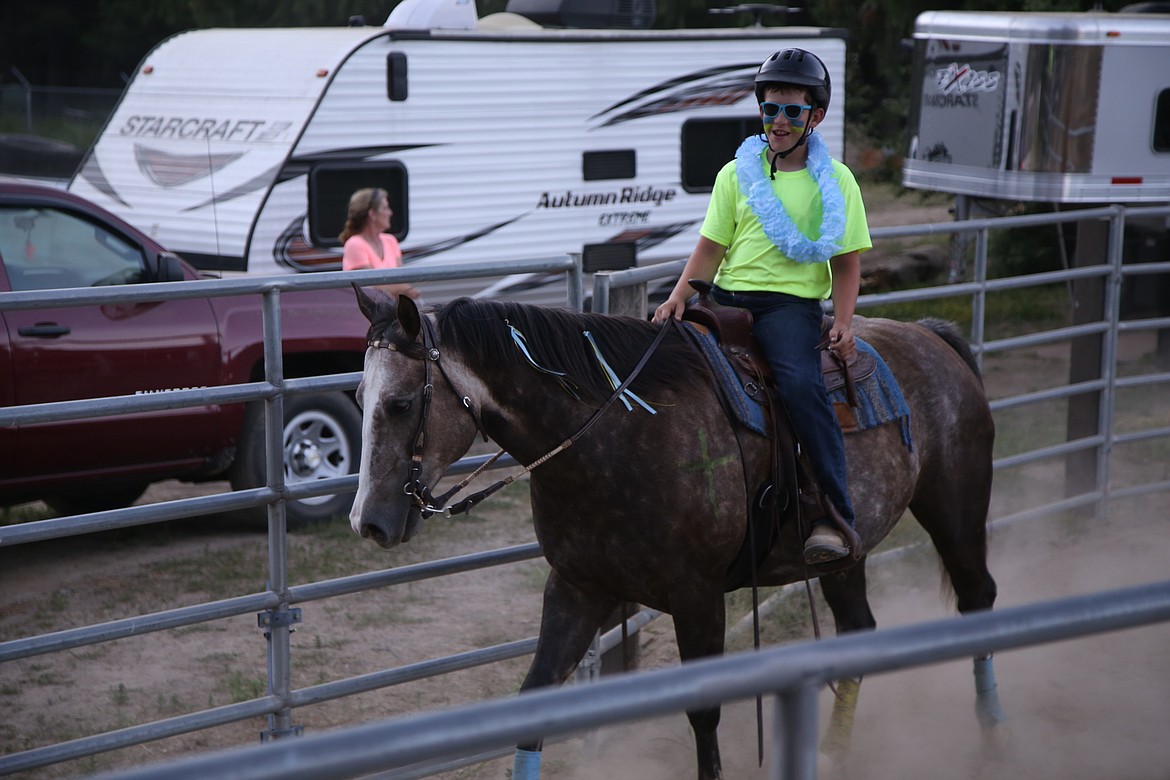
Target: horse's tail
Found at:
949, 332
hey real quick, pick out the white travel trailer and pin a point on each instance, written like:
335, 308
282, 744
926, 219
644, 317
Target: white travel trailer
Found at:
1047, 107
497, 138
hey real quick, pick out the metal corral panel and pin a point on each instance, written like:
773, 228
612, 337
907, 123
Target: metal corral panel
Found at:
1042, 106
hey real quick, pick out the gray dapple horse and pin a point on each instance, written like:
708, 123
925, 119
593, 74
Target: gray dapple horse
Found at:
650, 508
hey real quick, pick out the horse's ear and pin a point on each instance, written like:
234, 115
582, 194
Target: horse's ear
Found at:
408, 316
369, 304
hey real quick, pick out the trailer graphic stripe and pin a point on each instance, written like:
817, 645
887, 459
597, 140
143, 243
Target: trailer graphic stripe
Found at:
725, 85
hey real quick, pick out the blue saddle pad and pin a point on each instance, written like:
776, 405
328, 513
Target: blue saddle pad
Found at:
879, 398
747, 409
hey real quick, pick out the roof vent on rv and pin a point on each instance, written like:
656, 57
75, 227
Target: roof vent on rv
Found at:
634, 14
433, 15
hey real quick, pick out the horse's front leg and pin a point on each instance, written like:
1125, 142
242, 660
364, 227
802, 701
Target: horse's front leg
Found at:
699, 622
568, 624
845, 593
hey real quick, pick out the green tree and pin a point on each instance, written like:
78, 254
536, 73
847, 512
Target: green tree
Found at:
70, 43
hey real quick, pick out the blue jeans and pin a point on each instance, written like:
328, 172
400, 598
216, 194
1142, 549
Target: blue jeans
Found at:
788, 330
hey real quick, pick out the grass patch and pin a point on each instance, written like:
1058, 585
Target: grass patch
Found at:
24, 513
381, 619
241, 686
167, 706
787, 620
1025, 428
534, 574
1008, 312
906, 533
219, 573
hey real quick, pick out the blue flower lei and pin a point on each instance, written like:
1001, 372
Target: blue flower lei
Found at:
769, 210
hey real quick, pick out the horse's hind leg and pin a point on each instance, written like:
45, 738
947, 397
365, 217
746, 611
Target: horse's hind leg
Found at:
955, 516
845, 593
957, 524
568, 623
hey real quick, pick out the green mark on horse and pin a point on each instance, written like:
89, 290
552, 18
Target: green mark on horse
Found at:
707, 466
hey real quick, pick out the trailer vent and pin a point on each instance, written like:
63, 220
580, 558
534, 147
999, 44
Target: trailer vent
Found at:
631, 14
617, 164
614, 256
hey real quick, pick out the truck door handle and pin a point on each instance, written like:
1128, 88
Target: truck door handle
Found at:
45, 330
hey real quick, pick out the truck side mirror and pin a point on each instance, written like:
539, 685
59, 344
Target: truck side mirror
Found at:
170, 268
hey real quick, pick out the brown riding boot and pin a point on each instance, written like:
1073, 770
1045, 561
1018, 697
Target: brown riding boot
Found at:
824, 544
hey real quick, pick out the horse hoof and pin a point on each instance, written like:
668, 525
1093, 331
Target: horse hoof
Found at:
831, 766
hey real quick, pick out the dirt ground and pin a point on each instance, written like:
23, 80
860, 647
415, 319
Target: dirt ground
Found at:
1087, 709
1092, 708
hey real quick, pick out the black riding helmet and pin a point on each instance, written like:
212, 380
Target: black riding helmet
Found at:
799, 67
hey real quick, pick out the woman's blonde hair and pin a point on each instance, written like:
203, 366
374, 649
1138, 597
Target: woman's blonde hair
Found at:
360, 204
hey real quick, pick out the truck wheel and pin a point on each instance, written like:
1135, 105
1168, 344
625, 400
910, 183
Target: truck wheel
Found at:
80, 501
322, 438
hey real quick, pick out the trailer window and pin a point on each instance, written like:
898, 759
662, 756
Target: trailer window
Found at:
707, 145
331, 185
1162, 122
396, 83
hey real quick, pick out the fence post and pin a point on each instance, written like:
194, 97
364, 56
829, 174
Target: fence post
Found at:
1084, 410
960, 242
575, 283
277, 622
794, 734
626, 300
1112, 304
27, 97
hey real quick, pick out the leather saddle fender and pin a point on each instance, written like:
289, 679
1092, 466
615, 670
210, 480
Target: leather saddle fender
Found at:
732, 327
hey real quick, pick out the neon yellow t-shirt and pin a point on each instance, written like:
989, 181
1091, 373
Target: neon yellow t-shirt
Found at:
752, 261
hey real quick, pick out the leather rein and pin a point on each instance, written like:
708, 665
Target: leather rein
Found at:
428, 352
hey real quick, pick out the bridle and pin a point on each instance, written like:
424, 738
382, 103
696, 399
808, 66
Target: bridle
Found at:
428, 352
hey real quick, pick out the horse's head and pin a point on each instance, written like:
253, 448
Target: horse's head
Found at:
413, 424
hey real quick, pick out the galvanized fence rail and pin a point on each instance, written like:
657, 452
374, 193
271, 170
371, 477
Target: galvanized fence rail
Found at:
627, 292
275, 605
791, 676
276, 613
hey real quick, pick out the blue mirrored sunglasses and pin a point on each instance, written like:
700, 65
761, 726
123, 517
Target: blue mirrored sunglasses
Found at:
791, 110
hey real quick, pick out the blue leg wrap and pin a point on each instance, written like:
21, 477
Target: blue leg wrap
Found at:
526, 765
987, 707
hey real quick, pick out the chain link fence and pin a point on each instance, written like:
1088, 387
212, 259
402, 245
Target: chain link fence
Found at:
45, 130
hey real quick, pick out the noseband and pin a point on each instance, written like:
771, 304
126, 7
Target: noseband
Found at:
428, 352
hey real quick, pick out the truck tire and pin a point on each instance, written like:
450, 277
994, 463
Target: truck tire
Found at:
322, 438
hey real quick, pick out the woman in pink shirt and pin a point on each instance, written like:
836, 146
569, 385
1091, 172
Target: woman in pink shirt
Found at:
367, 244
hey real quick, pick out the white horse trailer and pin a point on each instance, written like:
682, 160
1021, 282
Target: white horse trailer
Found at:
1050, 107
497, 138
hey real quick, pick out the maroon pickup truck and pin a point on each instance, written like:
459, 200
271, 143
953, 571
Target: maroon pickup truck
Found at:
50, 239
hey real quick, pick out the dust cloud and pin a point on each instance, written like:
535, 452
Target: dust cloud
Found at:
1085, 709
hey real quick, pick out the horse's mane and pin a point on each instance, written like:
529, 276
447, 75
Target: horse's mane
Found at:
478, 330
